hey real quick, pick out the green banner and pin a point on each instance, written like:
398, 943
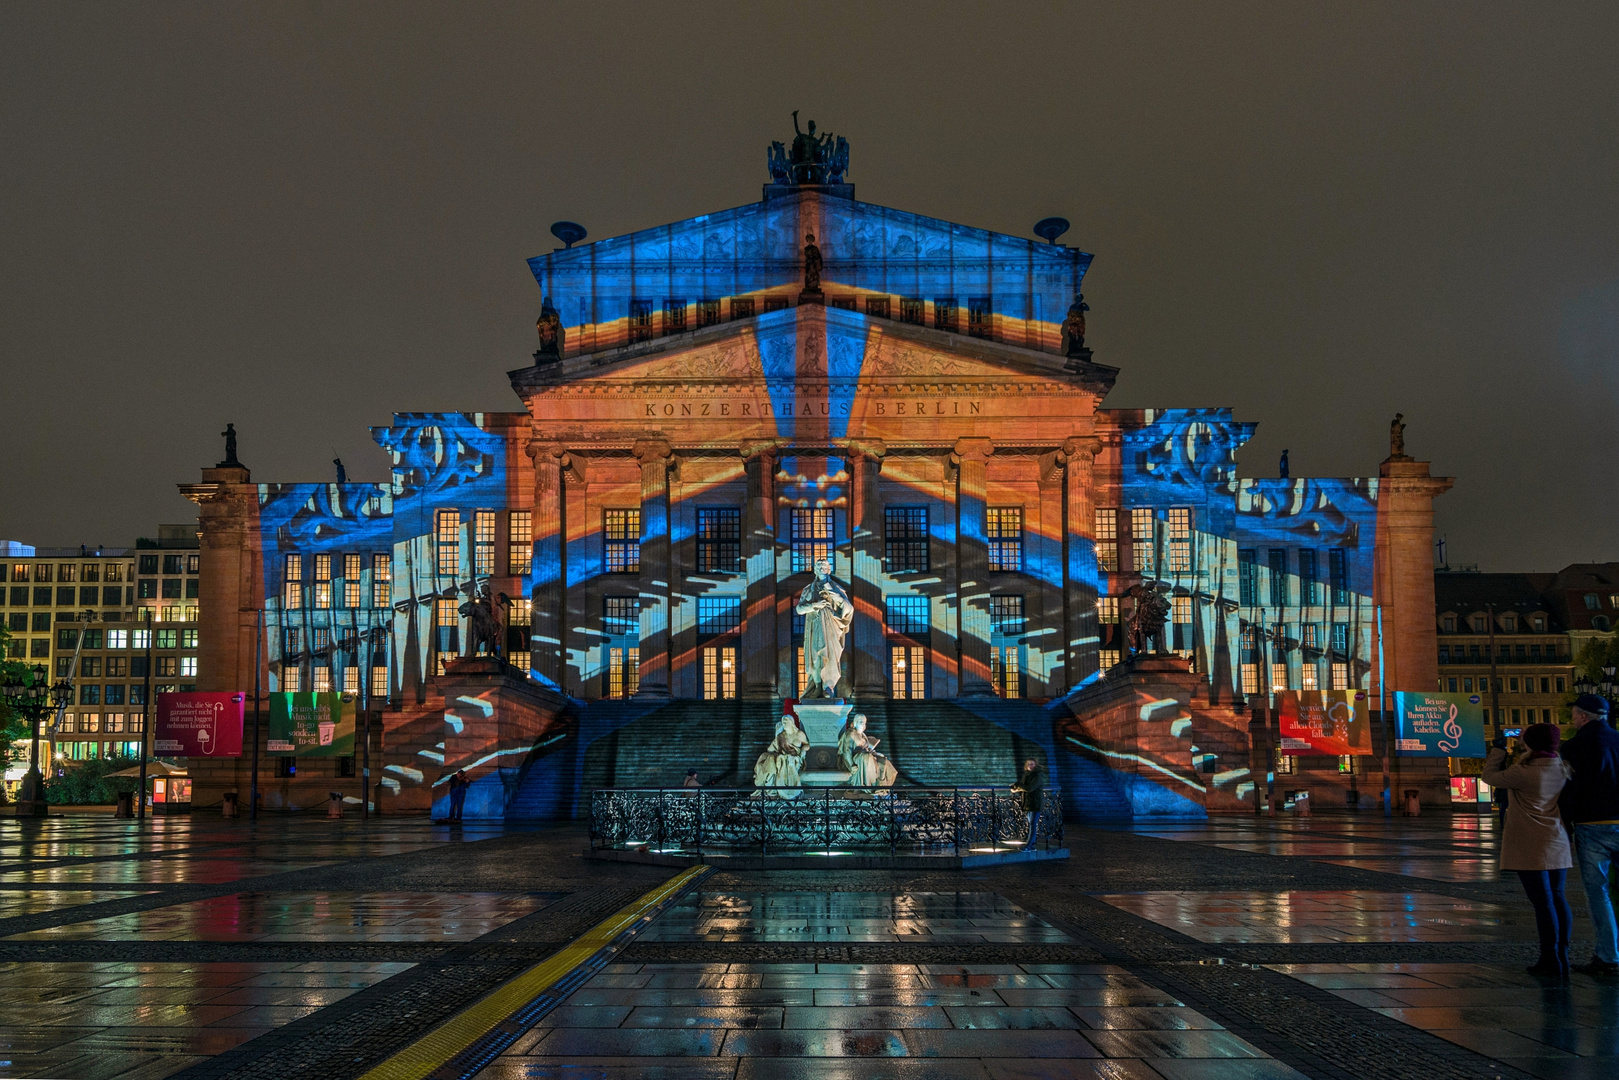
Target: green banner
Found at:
311, 725
1439, 725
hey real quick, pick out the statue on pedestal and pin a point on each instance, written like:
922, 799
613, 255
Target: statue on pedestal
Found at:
230, 461
1073, 327
782, 762
483, 627
549, 328
812, 264
1397, 437
828, 613
857, 752
1148, 619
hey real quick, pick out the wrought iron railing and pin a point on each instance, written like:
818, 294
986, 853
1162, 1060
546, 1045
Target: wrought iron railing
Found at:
820, 820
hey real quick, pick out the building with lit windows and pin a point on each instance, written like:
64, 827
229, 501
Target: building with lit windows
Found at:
714, 407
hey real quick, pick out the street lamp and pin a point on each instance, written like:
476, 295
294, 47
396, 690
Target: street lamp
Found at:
33, 700
1610, 689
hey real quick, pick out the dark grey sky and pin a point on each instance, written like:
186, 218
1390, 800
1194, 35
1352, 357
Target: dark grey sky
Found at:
302, 217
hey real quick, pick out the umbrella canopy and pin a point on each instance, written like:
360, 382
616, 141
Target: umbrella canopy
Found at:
155, 767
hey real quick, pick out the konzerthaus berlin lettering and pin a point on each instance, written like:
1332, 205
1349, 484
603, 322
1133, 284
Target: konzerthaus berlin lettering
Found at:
719, 402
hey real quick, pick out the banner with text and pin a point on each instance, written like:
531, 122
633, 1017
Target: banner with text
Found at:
1324, 722
311, 725
1439, 725
199, 725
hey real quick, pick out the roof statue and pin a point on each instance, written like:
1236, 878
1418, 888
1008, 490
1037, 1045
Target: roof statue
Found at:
1397, 438
230, 461
816, 159
552, 335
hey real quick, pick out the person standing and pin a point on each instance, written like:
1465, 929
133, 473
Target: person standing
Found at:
691, 784
1534, 842
1591, 804
1031, 786
458, 793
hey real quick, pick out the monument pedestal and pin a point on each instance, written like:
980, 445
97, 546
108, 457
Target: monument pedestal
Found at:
822, 721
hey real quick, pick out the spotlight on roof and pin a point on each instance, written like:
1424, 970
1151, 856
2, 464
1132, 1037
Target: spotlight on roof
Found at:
570, 233
1048, 229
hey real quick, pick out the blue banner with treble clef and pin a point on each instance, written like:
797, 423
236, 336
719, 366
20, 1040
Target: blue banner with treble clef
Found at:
1439, 725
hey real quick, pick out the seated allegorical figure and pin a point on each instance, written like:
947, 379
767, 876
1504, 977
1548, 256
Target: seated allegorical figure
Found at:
782, 762
857, 752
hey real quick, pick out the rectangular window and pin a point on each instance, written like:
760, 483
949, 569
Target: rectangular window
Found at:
447, 542
1559, 682
877, 307
42, 622
1250, 678
1006, 615
90, 667
148, 564
381, 580
1107, 658
1141, 540
908, 672
70, 572
621, 530
1340, 676
1006, 670
483, 543
89, 595
910, 310
1179, 531
844, 302
188, 667
1340, 638
719, 614
1247, 577
719, 540
640, 326
621, 615
519, 542
1107, 610
1278, 577
1310, 636
42, 596
168, 639
447, 631
980, 317
67, 595
65, 637
1338, 567
812, 538
1310, 676
174, 564
1309, 587
42, 571
775, 303
379, 681
353, 595
708, 312
323, 581
117, 667
905, 539
1181, 610
292, 577
906, 615
1003, 530
351, 680
742, 307
1278, 676
89, 694
674, 316
944, 313
719, 672
1107, 538
623, 671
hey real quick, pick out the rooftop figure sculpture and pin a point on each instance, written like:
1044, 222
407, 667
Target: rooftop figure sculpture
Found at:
1397, 437
549, 328
230, 461
1073, 328
816, 159
812, 264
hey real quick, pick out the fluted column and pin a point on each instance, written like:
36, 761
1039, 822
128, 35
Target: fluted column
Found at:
1080, 630
656, 459
759, 552
866, 530
548, 611
971, 458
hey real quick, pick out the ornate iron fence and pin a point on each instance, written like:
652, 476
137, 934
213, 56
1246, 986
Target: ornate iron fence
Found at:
782, 821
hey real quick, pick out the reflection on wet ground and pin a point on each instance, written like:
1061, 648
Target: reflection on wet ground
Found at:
845, 916
1296, 917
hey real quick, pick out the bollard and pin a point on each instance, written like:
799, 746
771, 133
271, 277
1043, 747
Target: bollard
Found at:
334, 804
228, 805
1413, 805
126, 805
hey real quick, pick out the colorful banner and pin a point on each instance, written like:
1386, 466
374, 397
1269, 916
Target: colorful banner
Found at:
1324, 722
199, 725
1439, 725
311, 725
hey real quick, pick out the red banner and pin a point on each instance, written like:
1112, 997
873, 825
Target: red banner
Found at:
199, 725
1316, 722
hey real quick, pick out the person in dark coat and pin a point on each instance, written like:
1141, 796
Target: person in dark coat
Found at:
458, 793
1534, 841
1591, 803
1031, 786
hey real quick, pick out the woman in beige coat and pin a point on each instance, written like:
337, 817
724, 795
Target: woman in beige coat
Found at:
1533, 839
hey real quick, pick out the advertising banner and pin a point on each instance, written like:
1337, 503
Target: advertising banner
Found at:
1439, 725
311, 725
1324, 722
199, 725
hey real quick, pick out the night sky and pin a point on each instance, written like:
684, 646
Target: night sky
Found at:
302, 217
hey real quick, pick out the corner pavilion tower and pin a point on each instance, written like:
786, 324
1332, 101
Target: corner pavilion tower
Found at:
718, 402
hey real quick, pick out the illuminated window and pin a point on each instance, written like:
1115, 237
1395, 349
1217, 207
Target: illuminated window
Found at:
1107, 658
640, 323
1141, 540
906, 614
905, 539
708, 312
351, 679
483, 542
1250, 678
1107, 609
382, 575
1340, 637
1278, 676
621, 530
1310, 636
623, 671
910, 310
1006, 670
379, 681
812, 538
323, 582
323, 679
621, 615
519, 542
447, 541
1107, 538
944, 313
70, 571
292, 578
908, 672
798, 687
447, 631
742, 307
353, 587
719, 614
980, 317
877, 307
1180, 539
719, 672
1310, 676
1006, 615
1003, 529
719, 540
1340, 676
188, 667
674, 316
1285, 764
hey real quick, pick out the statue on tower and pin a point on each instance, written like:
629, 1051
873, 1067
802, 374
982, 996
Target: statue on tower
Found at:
815, 159
828, 613
549, 327
1073, 328
1397, 437
1147, 620
812, 265
230, 461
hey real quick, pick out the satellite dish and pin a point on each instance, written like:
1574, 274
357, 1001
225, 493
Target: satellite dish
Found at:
570, 233
1047, 229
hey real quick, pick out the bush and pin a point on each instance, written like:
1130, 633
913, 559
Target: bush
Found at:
86, 783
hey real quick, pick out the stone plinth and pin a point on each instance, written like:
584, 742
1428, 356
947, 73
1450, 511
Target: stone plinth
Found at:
822, 721
494, 715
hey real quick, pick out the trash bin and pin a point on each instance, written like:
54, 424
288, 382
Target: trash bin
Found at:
126, 805
1413, 805
1301, 803
334, 804
228, 805
1352, 799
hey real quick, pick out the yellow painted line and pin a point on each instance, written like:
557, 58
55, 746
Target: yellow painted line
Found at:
460, 1031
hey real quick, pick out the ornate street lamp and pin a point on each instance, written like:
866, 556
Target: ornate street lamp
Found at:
1610, 689
34, 701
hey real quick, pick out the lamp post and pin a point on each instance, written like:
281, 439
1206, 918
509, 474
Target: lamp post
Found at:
34, 700
1608, 687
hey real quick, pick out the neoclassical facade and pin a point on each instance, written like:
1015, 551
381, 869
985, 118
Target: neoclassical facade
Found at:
702, 422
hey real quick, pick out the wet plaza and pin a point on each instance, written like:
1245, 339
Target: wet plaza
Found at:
1238, 949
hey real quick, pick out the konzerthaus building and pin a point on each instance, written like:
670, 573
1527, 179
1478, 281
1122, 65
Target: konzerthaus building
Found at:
718, 402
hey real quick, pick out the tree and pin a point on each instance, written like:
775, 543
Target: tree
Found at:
13, 728
1596, 654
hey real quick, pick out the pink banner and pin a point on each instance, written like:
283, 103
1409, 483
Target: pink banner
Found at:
199, 725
